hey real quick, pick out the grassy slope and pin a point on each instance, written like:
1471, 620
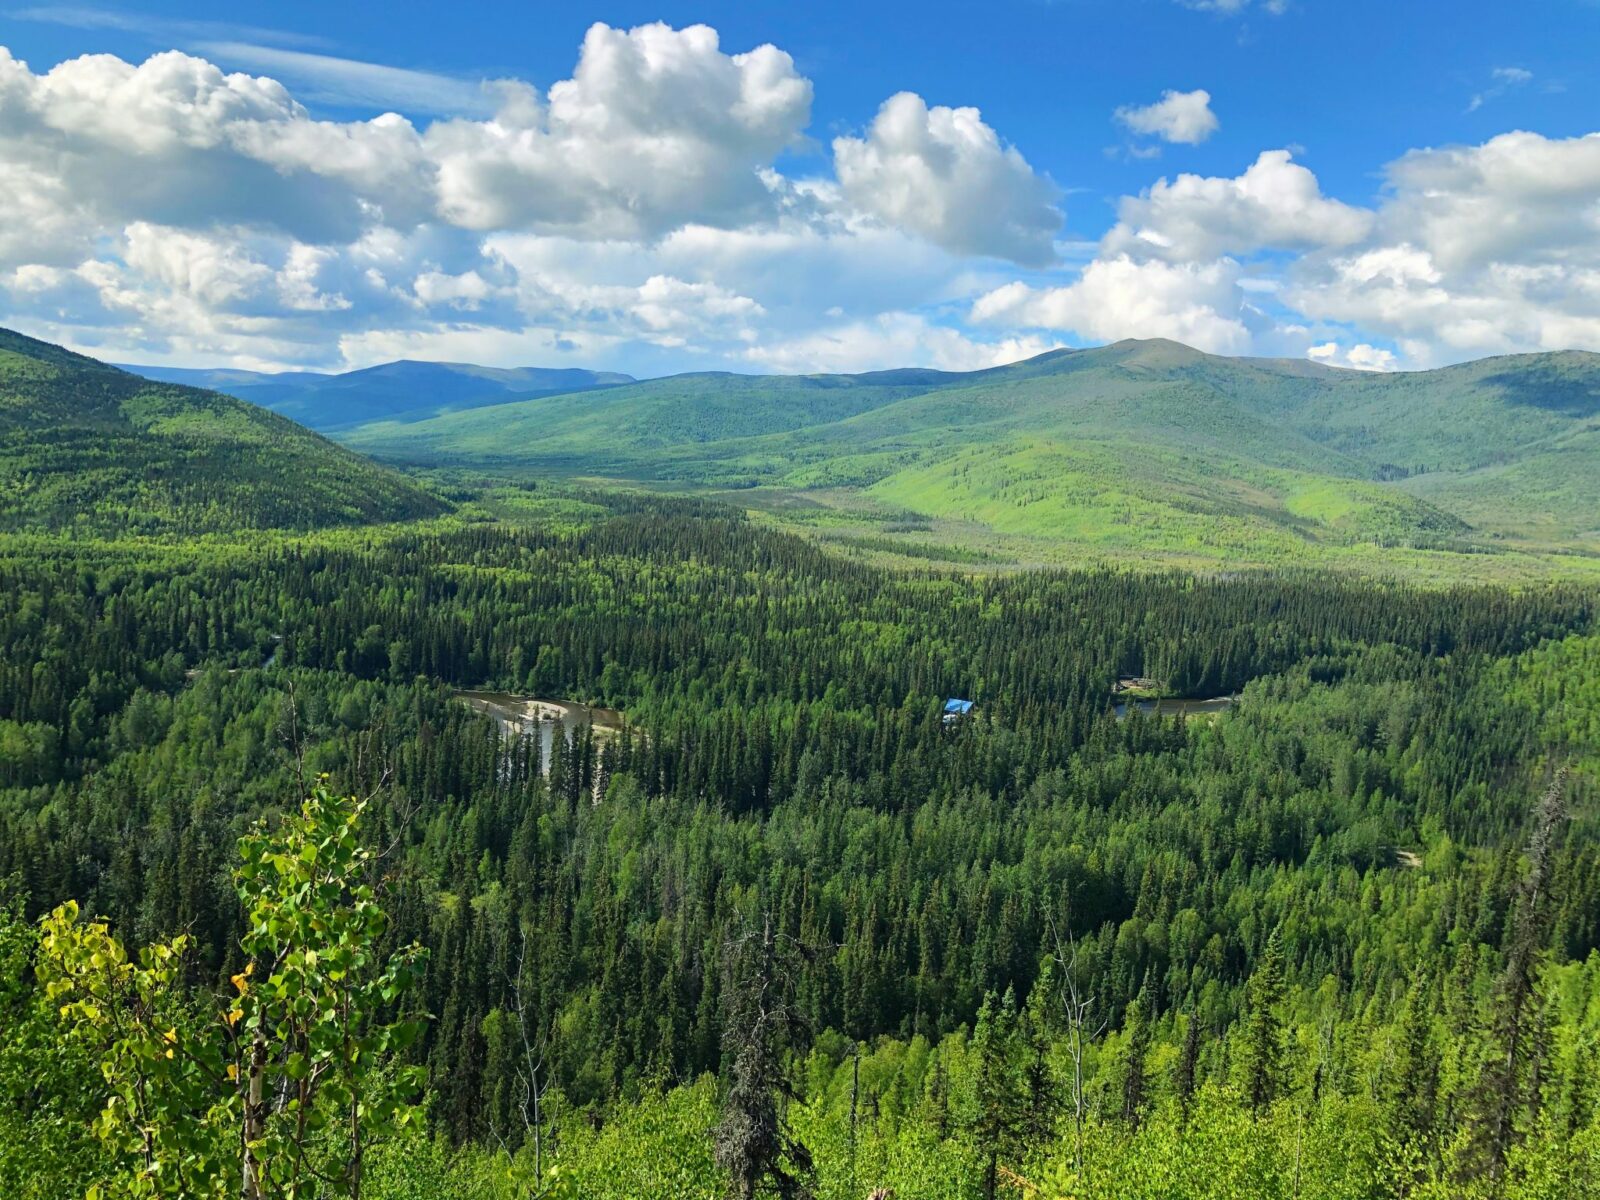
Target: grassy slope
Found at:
86, 446
659, 421
1148, 449
1546, 496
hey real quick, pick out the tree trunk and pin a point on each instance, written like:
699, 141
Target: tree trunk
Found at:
254, 1126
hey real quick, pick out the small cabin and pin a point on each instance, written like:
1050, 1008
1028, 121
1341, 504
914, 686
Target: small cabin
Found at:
955, 709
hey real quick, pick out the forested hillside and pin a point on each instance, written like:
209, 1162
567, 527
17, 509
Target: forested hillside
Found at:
1339, 941
1143, 450
87, 447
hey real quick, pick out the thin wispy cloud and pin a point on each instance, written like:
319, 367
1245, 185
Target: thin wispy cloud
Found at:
1505, 79
1235, 8
349, 82
161, 28
296, 58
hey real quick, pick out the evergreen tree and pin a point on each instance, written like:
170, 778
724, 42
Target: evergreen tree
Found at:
1414, 1079
1185, 1075
1501, 1094
999, 1115
1041, 1087
1263, 1048
1136, 1028
754, 1144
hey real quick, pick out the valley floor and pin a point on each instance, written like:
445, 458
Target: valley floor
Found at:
868, 525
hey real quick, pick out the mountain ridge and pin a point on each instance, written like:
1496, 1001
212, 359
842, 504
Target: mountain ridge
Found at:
1197, 452
402, 390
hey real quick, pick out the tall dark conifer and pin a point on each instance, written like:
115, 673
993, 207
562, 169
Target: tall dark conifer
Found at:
1264, 1028
998, 1116
754, 1144
1134, 1081
1186, 1075
1501, 1093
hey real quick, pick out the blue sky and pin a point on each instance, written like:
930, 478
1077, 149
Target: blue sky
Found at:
1375, 185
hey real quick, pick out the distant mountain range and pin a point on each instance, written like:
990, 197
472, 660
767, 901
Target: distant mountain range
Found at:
85, 446
1142, 449
398, 391
1144, 444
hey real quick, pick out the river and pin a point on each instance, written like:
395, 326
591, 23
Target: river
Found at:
1213, 707
522, 714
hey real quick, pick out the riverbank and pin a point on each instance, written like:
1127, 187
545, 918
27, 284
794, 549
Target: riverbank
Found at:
1211, 708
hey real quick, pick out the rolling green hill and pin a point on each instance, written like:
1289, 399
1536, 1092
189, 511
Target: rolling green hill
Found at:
86, 446
397, 391
644, 426
1147, 448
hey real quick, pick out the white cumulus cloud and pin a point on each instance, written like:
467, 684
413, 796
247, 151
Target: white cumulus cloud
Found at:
944, 174
656, 128
1276, 202
1119, 297
643, 214
1475, 250
1176, 117
1359, 357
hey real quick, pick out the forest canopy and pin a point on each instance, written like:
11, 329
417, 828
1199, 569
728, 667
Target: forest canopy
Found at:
1046, 945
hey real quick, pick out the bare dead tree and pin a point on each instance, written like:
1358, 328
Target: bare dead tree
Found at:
290, 732
532, 1080
1082, 1030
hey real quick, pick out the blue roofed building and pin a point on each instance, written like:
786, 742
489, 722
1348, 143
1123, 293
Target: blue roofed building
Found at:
955, 709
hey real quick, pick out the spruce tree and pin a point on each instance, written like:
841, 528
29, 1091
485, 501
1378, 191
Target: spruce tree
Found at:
1185, 1076
754, 1144
1041, 1088
1134, 1082
997, 1119
1501, 1091
1414, 1082
1264, 1028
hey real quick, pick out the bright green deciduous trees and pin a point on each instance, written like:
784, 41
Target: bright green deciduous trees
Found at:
281, 1090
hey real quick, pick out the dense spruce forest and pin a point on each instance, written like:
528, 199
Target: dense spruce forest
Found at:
791, 931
